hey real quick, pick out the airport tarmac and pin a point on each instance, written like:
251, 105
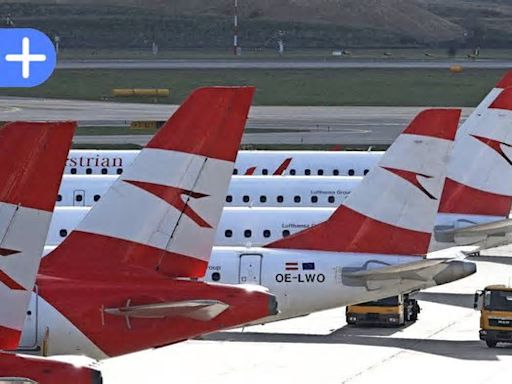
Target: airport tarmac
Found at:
275, 124
442, 346
331, 63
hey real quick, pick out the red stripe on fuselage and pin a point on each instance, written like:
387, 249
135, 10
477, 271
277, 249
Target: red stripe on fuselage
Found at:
283, 167
349, 231
459, 198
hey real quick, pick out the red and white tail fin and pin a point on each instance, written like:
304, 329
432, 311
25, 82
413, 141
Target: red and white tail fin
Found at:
32, 160
162, 213
392, 211
479, 178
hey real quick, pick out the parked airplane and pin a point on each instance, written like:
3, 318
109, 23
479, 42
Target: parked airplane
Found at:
253, 191
294, 163
32, 159
126, 278
372, 246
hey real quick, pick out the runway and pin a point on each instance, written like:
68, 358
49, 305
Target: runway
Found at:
442, 346
332, 63
266, 125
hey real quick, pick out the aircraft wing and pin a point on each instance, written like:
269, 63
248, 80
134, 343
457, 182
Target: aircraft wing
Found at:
203, 310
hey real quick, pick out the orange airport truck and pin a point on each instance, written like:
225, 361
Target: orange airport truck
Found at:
495, 305
391, 311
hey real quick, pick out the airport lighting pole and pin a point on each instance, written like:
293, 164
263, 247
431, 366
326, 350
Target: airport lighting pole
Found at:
236, 48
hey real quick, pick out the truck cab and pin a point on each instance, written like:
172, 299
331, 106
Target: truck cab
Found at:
391, 311
495, 305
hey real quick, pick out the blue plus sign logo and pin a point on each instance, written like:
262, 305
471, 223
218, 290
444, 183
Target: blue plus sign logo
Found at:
27, 57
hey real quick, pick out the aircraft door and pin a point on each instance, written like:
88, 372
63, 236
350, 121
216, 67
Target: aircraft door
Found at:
250, 269
29, 336
79, 198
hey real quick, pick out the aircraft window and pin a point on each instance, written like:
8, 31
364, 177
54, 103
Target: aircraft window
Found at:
320, 172
307, 172
104, 171
335, 172
245, 199
263, 199
351, 172
296, 199
63, 233
366, 171
73, 171
88, 171
229, 199
247, 233
292, 172
79, 198
314, 199
280, 199
215, 276
59, 197
119, 171
228, 233
330, 199
235, 171
286, 233
96, 197
266, 233
29, 313
264, 171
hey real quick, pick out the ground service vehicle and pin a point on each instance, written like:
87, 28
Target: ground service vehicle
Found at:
495, 304
391, 311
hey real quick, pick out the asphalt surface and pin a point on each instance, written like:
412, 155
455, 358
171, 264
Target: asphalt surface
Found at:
274, 125
441, 347
279, 64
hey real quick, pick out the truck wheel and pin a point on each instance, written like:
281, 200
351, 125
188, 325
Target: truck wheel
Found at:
491, 343
349, 322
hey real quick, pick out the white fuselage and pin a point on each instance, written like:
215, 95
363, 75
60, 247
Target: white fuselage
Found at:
294, 163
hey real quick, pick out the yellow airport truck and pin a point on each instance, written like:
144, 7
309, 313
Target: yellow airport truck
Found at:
391, 311
495, 304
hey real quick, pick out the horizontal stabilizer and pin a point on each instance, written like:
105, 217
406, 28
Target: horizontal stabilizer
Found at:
500, 227
416, 275
203, 310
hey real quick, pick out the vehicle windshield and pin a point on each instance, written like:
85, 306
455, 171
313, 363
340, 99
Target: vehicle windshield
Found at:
498, 300
387, 302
